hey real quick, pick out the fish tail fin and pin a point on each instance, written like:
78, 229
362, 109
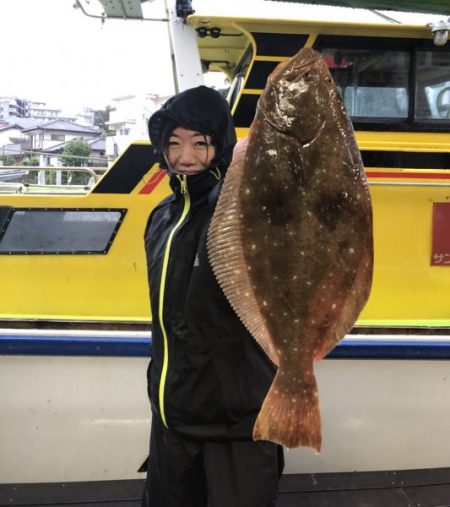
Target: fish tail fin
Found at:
290, 419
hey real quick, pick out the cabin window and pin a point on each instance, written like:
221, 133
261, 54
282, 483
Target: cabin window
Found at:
57, 137
392, 83
59, 231
432, 85
374, 84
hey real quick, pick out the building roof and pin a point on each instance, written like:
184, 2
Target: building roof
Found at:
97, 144
26, 123
5, 127
63, 125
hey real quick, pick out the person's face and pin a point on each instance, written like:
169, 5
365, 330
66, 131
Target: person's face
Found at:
189, 152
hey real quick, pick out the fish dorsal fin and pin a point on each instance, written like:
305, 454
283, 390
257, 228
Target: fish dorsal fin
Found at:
226, 254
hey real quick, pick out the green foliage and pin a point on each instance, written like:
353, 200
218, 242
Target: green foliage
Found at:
32, 161
76, 153
6, 160
101, 117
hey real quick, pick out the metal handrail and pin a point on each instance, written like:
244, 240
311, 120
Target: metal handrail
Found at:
67, 169
94, 172
21, 183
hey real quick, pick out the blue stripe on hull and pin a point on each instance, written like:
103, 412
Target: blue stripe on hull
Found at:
75, 346
425, 348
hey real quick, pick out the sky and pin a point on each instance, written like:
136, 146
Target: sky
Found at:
53, 53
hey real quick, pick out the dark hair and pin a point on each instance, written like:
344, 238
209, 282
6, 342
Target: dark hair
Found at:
201, 109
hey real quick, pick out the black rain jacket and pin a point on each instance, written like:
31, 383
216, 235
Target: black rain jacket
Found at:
208, 376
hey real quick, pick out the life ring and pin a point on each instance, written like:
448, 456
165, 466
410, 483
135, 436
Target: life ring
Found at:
443, 108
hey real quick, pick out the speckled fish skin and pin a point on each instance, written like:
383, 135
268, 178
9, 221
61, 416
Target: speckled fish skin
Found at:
291, 239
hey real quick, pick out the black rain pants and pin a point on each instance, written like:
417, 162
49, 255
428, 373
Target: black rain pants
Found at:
192, 473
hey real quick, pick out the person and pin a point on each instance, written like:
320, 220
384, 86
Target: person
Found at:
207, 377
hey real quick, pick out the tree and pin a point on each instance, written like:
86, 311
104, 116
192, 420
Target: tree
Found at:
76, 153
31, 161
101, 117
7, 160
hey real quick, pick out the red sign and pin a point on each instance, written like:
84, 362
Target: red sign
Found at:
440, 250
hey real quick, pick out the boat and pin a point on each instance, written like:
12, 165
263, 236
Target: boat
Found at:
74, 309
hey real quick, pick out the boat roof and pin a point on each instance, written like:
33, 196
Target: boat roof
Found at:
430, 6
227, 49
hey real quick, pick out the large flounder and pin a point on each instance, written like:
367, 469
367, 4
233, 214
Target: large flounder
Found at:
291, 238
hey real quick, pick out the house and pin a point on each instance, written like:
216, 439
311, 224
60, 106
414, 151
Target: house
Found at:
49, 139
10, 133
13, 143
97, 158
128, 120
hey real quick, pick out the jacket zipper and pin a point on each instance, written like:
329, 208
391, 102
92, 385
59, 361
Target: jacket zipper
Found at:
162, 382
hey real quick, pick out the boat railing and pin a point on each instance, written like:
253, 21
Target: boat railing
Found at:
34, 179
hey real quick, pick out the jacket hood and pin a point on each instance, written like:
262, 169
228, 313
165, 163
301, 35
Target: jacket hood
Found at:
201, 109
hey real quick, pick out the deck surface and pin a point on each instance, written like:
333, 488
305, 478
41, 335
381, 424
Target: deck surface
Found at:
412, 488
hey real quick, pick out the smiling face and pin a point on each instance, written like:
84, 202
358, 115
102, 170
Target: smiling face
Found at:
189, 152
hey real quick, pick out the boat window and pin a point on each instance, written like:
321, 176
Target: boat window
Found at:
374, 84
391, 82
59, 231
432, 85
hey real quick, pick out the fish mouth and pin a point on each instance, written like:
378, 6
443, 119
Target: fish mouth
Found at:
302, 67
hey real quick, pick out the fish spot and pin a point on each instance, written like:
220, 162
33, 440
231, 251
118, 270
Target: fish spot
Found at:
265, 303
253, 246
308, 282
333, 306
351, 251
247, 190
